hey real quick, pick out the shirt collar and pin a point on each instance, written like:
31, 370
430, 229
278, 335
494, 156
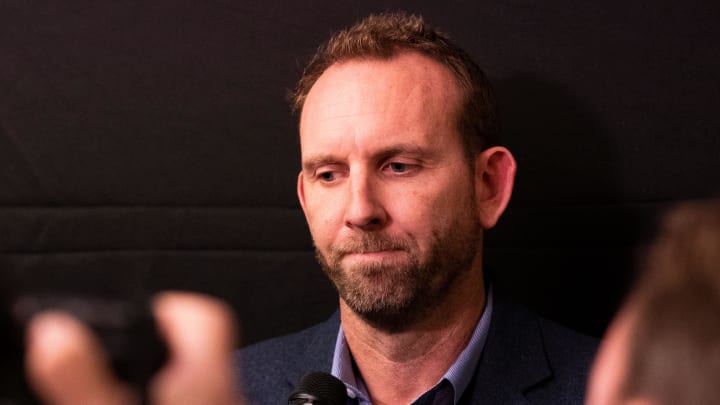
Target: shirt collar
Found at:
459, 374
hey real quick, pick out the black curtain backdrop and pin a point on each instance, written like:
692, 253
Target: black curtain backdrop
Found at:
147, 145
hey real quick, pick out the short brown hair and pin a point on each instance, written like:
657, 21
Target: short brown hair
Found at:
675, 336
383, 36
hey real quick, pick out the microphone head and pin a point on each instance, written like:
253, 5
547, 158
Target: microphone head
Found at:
319, 388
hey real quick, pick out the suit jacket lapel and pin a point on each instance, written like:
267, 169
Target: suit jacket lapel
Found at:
512, 363
318, 353
513, 360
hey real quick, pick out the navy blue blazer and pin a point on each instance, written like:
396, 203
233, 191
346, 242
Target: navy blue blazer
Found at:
526, 360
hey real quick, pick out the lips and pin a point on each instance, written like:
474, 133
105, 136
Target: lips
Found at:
368, 252
370, 256
368, 245
373, 251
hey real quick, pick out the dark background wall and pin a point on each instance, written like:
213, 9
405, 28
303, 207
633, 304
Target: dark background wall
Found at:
147, 145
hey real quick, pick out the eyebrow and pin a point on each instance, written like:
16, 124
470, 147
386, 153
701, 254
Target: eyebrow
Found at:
313, 162
404, 148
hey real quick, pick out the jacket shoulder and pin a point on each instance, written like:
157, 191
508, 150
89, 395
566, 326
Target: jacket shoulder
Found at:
570, 355
268, 370
530, 359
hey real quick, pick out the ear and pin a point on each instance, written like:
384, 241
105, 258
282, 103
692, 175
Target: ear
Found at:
494, 178
301, 190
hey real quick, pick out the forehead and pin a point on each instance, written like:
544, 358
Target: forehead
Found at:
406, 93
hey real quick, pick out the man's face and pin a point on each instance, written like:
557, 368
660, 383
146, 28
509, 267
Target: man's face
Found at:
386, 187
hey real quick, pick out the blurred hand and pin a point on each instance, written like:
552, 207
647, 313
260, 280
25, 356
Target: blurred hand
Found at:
67, 366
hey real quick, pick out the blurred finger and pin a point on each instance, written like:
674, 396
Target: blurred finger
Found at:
66, 366
200, 333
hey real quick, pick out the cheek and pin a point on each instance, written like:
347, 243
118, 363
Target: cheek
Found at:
425, 210
323, 214
443, 200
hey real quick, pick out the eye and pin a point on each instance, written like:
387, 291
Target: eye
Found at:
401, 167
326, 176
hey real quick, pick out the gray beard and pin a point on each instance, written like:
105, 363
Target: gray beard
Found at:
392, 297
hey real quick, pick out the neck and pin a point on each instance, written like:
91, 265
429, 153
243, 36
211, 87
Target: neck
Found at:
397, 366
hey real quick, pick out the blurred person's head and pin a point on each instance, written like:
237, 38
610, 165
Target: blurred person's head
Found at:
664, 345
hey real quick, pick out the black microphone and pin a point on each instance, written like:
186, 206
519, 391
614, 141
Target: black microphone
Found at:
319, 388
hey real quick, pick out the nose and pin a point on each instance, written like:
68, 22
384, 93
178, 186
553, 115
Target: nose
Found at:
365, 210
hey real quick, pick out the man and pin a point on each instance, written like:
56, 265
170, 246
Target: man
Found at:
401, 174
664, 346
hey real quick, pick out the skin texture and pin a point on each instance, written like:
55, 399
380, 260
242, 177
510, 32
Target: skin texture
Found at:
396, 211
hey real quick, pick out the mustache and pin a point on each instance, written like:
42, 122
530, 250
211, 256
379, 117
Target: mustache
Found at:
368, 243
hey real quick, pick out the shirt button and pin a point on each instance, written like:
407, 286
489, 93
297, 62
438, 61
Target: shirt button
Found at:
351, 393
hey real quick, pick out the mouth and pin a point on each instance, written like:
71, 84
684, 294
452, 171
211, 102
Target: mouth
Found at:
370, 248
372, 254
